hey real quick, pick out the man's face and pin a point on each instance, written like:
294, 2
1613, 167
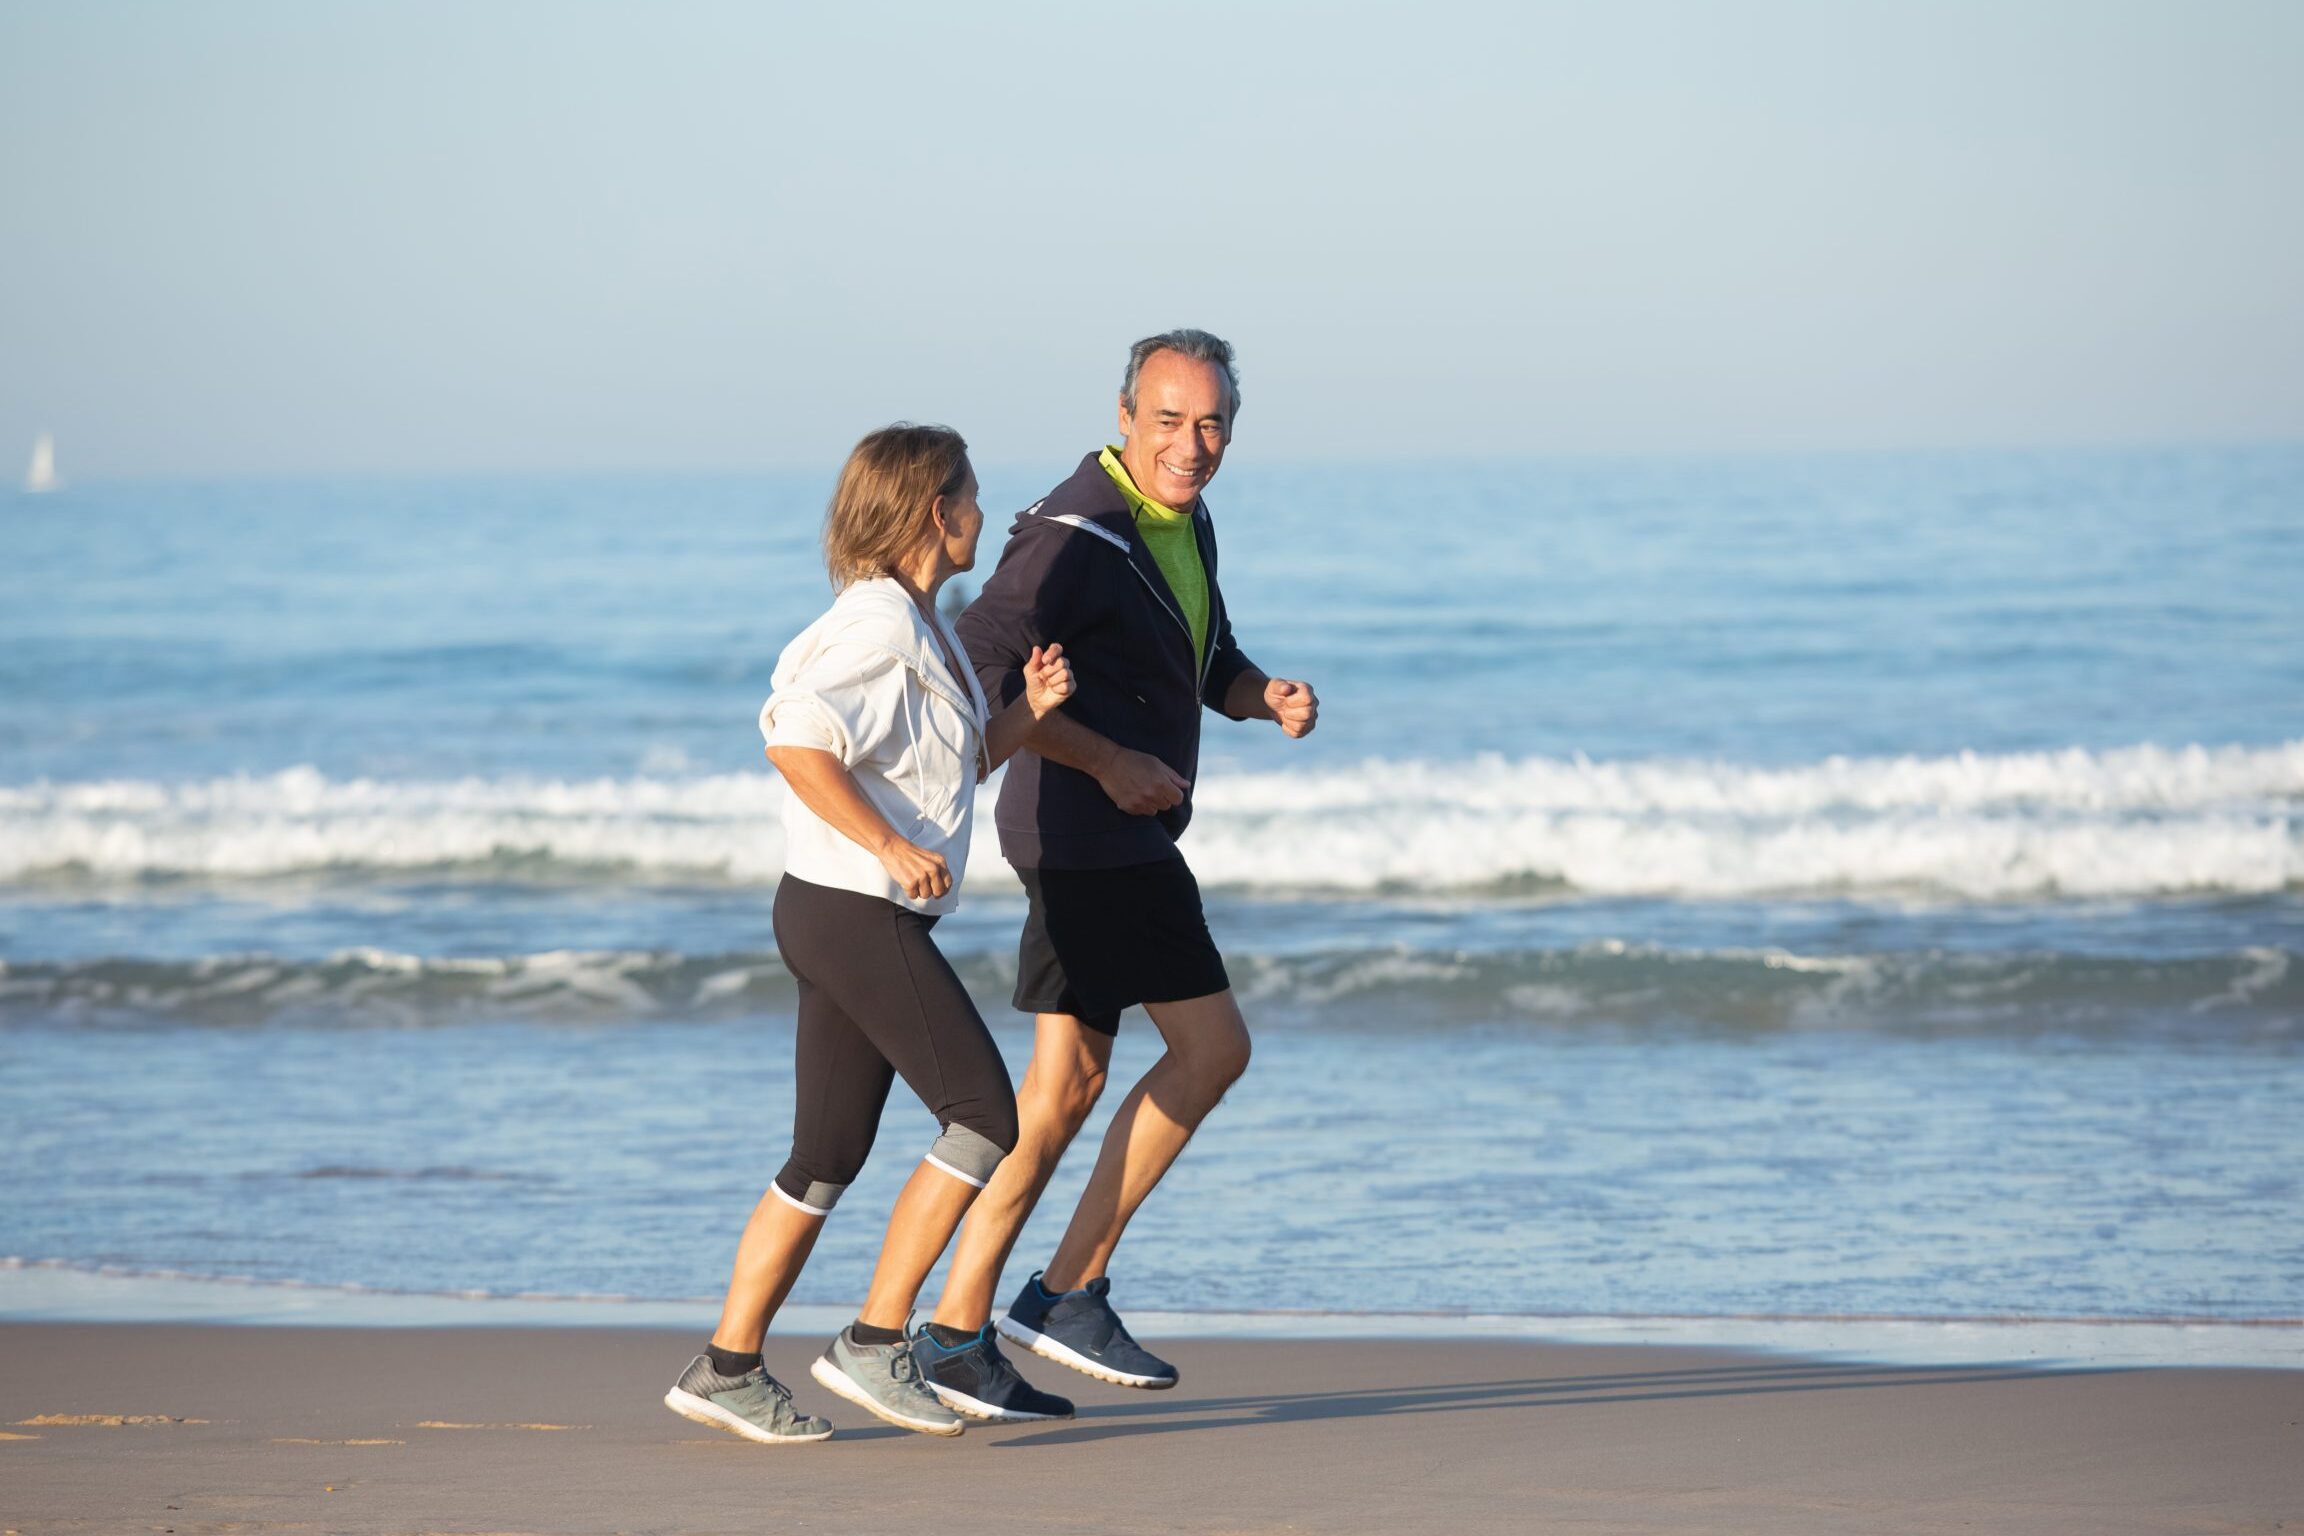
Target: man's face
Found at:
1177, 434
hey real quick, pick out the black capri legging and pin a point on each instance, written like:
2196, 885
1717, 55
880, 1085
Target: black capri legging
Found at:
878, 998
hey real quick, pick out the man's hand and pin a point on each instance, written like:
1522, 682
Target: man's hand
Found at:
1293, 705
1047, 680
1140, 783
923, 875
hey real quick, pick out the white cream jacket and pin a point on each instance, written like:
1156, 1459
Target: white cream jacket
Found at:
869, 684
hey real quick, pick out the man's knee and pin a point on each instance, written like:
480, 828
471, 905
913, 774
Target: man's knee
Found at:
1207, 1041
1064, 1095
1219, 1062
1243, 1051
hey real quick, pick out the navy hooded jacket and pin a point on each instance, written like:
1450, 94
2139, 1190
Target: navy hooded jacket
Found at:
1076, 572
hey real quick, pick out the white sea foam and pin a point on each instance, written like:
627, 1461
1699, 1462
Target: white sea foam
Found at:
2142, 778
300, 821
2135, 821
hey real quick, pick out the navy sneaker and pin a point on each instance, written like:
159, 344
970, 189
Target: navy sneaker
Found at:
1080, 1329
976, 1379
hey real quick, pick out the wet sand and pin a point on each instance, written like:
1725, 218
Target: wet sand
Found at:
175, 1428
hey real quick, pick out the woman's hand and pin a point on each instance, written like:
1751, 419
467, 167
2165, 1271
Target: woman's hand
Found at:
1047, 680
923, 875
1047, 684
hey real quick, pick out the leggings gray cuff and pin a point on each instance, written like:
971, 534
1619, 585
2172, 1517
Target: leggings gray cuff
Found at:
817, 1200
965, 1155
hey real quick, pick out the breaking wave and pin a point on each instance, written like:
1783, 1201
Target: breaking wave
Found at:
2136, 821
1389, 987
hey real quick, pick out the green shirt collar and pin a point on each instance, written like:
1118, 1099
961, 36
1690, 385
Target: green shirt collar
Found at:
1139, 504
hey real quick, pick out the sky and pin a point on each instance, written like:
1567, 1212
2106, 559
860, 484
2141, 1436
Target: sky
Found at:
320, 237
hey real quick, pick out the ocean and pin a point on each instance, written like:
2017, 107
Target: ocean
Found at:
1764, 887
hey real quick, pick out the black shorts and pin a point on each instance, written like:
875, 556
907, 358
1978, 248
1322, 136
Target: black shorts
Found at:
1097, 941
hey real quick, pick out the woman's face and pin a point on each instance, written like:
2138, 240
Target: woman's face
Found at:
960, 522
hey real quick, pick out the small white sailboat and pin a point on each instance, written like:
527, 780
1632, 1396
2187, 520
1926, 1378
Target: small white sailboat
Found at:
40, 474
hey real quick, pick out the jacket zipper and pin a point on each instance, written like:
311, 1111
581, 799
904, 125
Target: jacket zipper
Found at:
1208, 661
1157, 588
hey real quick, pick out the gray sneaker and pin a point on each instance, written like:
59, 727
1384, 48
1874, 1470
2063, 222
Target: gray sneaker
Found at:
884, 1380
755, 1405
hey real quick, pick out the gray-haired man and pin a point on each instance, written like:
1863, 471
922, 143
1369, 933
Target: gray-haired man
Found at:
1118, 564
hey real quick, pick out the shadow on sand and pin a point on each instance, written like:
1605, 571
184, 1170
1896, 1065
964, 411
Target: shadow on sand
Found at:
1169, 1414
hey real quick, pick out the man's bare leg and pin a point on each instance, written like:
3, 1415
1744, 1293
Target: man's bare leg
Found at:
1207, 1051
1060, 1088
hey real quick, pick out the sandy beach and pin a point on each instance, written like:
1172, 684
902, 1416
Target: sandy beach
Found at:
183, 1429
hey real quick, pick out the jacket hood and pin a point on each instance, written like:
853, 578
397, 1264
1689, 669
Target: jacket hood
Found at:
1089, 493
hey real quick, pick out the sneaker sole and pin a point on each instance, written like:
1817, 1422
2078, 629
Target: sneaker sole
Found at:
832, 1379
1064, 1354
961, 1402
712, 1416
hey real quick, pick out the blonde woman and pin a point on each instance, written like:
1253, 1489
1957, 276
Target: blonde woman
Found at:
882, 733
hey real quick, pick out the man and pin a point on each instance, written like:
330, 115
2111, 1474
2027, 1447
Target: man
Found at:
1118, 565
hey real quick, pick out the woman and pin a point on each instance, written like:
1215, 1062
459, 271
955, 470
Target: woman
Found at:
882, 733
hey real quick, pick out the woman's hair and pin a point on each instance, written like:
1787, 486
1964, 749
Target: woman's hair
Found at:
879, 511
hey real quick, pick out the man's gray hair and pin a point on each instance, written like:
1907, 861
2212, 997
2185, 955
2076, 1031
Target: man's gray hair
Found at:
1200, 346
